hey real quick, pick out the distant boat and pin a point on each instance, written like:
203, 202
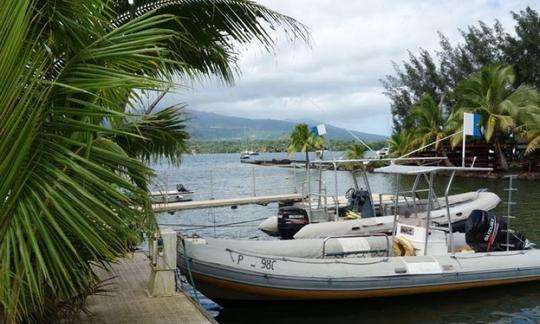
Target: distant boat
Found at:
181, 194
246, 153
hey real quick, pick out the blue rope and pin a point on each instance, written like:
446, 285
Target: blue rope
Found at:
190, 276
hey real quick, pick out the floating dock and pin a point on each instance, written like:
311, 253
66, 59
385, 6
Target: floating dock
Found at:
197, 204
128, 301
272, 162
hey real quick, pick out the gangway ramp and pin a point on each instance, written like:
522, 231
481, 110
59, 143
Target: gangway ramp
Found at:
198, 204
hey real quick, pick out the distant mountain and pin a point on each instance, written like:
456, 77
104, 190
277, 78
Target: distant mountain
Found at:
210, 126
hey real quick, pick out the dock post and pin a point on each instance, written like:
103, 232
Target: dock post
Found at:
253, 177
295, 179
211, 185
163, 264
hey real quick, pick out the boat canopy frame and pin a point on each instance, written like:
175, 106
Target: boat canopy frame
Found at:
425, 171
334, 163
429, 171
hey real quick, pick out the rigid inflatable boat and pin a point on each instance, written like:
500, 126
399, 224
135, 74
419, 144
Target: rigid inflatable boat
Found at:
361, 211
419, 256
345, 267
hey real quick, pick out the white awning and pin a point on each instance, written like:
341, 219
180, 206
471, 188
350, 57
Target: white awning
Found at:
419, 169
367, 161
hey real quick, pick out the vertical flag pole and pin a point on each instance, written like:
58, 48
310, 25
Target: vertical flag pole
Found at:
470, 127
463, 150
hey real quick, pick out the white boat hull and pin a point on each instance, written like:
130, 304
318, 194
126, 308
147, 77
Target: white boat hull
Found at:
233, 270
171, 196
461, 207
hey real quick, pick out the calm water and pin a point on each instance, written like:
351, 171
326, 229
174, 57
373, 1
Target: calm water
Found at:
222, 175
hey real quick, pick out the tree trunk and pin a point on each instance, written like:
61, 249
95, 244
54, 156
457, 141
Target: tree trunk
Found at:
443, 153
501, 159
307, 159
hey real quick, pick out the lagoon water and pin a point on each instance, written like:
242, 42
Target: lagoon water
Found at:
222, 176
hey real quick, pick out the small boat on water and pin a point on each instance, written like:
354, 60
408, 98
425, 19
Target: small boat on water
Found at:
247, 154
417, 257
460, 206
181, 194
361, 211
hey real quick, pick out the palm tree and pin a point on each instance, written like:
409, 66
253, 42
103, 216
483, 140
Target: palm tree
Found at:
210, 29
355, 151
490, 94
529, 129
426, 123
303, 140
399, 143
70, 74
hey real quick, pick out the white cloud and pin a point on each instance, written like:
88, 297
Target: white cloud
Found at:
353, 44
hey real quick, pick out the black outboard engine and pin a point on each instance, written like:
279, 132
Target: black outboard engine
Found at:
485, 232
360, 201
290, 220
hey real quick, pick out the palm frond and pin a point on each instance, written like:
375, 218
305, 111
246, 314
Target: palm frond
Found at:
162, 134
211, 27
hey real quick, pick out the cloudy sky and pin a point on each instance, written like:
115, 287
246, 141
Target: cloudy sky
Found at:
336, 79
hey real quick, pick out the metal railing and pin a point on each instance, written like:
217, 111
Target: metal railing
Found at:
245, 182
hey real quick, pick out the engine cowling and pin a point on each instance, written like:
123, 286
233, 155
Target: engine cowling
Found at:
485, 232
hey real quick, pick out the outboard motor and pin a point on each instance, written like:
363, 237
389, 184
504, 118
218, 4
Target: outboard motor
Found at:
180, 187
360, 201
290, 220
485, 232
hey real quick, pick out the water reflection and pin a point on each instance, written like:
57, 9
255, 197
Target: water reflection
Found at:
511, 304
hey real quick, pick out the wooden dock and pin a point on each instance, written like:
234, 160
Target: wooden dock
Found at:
129, 302
197, 204
272, 162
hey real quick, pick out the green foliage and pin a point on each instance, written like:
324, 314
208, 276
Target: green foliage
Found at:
355, 151
270, 146
161, 135
73, 190
426, 123
504, 111
482, 45
399, 143
522, 51
303, 140
490, 93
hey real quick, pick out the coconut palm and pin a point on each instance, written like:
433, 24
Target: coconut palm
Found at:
490, 94
529, 129
303, 140
355, 151
399, 143
70, 74
426, 122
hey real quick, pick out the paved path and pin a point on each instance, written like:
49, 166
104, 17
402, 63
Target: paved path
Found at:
129, 302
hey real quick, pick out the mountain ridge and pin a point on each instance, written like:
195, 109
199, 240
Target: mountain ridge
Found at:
209, 126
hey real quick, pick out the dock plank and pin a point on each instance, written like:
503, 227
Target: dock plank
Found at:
175, 206
129, 302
